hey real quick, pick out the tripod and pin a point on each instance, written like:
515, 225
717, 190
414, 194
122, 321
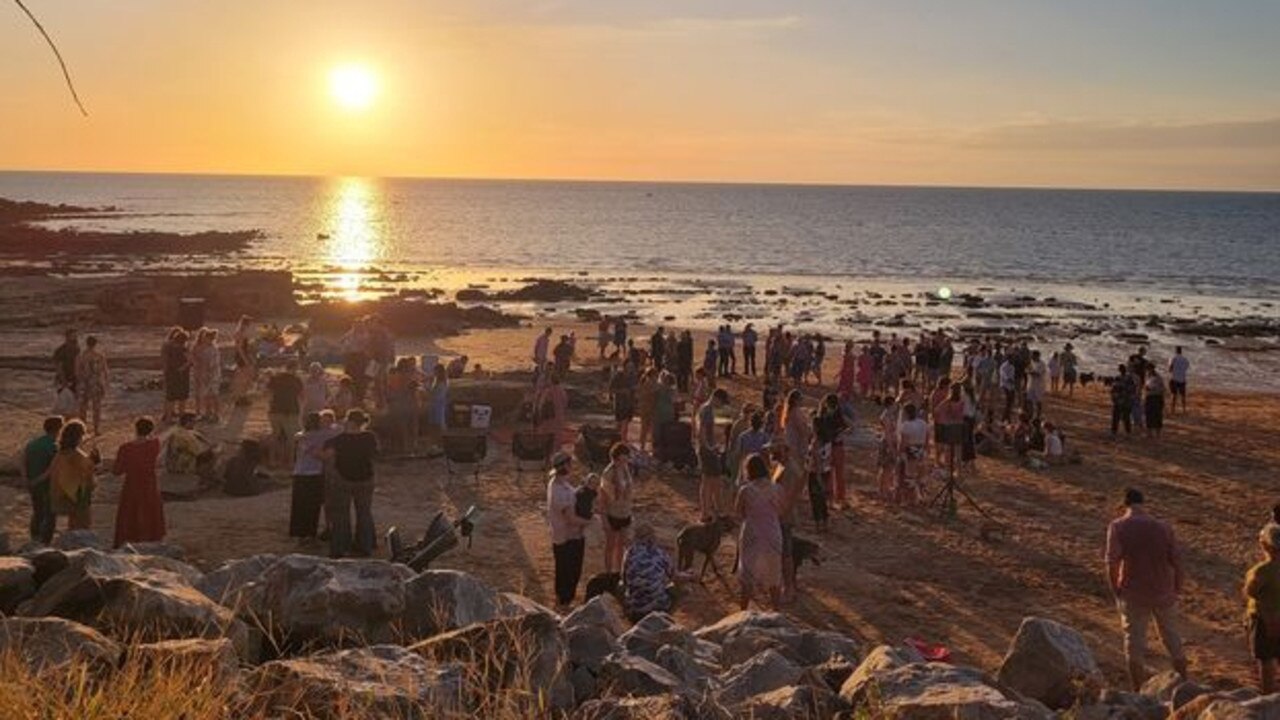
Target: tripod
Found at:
945, 499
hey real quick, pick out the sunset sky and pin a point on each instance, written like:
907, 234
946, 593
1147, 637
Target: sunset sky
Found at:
1092, 93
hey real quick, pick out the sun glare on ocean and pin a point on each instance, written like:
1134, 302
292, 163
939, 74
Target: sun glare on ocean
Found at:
353, 86
354, 239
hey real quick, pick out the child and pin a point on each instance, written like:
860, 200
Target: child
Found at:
584, 498
1262, 593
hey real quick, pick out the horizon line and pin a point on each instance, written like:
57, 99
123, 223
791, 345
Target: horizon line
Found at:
635, 181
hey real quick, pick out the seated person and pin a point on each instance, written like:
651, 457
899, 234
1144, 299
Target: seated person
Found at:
187, 452
647, 572
457, 367
241, 477
1018, 435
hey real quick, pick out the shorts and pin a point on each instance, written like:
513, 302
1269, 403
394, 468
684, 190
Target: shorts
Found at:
710, 463
618, 524
1178, 388
1261, 646
283, 425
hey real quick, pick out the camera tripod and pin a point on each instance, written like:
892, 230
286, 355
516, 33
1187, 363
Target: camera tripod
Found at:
945, 499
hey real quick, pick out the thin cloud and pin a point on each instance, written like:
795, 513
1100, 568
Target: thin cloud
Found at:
1246, 134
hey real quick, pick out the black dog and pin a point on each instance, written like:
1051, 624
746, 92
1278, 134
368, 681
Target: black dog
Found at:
1088, 377
605, 582
802, 550
702, 538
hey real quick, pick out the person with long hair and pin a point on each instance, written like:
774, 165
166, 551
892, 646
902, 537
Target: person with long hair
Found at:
206, 373
622, 388
438, 399
615, 504
913, 433
140, 513
246, 363
92, 379
177, 373
760, 505
71, 480
307, 498
887, 451
831, 423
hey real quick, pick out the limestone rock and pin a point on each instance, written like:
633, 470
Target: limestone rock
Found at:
589, 645
441, 600
1127, 706
1050, 662
834, 672
376, 681
78, 540
600, 611
652, 632
50, 642
224, 584
215, 660
1170, 689
882, 659
17, 582
797, 702
692, 672
764, 673
929, 691
162, 549
719, 631
624, 675
46, 561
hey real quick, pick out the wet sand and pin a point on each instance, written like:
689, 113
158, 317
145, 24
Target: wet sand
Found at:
888, 573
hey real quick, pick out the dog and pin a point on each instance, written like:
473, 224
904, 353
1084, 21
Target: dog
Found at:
1088, 377
702, 538
802, 550
605, 582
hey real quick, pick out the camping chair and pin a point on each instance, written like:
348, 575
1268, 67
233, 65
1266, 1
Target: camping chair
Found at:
529, 446
594, 443
465, 448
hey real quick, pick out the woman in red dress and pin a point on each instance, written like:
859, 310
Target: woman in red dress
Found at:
140, 515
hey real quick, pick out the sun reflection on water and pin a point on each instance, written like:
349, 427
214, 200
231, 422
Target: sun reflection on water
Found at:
355, 228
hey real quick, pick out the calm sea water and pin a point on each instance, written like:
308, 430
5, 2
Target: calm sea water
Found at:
1223, 244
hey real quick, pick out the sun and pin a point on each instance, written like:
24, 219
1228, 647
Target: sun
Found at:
354, 87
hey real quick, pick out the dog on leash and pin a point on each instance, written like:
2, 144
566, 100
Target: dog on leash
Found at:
703, 537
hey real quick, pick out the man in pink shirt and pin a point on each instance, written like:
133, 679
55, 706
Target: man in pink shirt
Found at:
1144, 570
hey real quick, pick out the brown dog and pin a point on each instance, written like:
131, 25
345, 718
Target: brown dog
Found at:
702, 538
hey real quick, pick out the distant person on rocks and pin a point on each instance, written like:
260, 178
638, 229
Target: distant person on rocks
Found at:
710, 456
177, 374
285, 412
140, 513
64, 361
206, 374
568, 544
37, 458
647, 575
351, 455
71, 480
1144, 571
1124, 392
1262, 596
1179, 365
92, 379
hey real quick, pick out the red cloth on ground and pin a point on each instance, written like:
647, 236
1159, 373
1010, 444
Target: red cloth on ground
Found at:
140, 515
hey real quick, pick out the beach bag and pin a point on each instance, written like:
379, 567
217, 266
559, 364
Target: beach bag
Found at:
64, 402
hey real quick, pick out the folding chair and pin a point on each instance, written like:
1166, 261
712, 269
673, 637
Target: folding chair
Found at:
594, 443
529, 446
464, 449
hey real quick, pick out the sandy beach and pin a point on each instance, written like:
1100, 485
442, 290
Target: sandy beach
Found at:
888, 573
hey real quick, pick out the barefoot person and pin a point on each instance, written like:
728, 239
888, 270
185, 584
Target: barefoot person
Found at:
1144, 571
1179, 366
709, 455
37, 457
1262, 596
91, 382
177, 374
308, 478
71, 477
568, 545
615, 497
286, 392
64, 361
206, 374
140, 514
351, 455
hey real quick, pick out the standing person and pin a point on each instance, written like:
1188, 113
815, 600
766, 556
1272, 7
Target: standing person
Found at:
37, 458
1055, 373
1144, 572
710, 455
847, 375
315, 389
760, 506
1070, 372
563, 355
71, 477
402, 392
749, 442
664, 409
1262, 597
658, 348
351, 456
284, 412
865, 372
140, 513
912, 434
552, 403
568, 544
177, 374
206, 374
355, 359
819, 357
64, 361
622, 389
382, 351
749, 339
646, 400
246, 363
307, 498
542, 350
830, 424
1008, 386
710, 359
438, 399
615, 504
620, 336
91, 382
1179, 365
1123, 391
1153, 405
1037, 382
602, 335
684, 361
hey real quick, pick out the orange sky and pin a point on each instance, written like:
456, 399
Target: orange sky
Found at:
982, 93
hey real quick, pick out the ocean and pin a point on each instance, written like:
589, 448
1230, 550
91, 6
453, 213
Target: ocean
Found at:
837, 258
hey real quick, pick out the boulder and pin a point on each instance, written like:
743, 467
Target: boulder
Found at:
163, 549
764, 673
623, 675
602, 611
376, 681
1169, 689
78, 540
137, 597
797, 702
834, 672
692, 672
1050, 662
802, 646
302, 599
46, 561
514, 605
525, 656
1128, 706
48, 642
652, 632
215, 660
440, 600
882, 659
1258, 708
719, 631
224, 584
653, 707
589, 645
17, 582
929, 691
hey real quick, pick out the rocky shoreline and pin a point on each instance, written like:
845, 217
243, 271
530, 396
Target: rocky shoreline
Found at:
297, 634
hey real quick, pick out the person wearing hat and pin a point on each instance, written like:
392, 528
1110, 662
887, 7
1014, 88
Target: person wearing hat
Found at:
1144, 571
1262, 597
351, 456
568, 545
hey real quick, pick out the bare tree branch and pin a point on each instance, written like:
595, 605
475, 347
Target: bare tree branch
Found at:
66, 75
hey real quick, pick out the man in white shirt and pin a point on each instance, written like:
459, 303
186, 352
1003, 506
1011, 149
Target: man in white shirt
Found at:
1178, 367
1008, 385
568, 546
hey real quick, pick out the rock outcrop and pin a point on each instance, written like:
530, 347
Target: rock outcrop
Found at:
1052, 663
